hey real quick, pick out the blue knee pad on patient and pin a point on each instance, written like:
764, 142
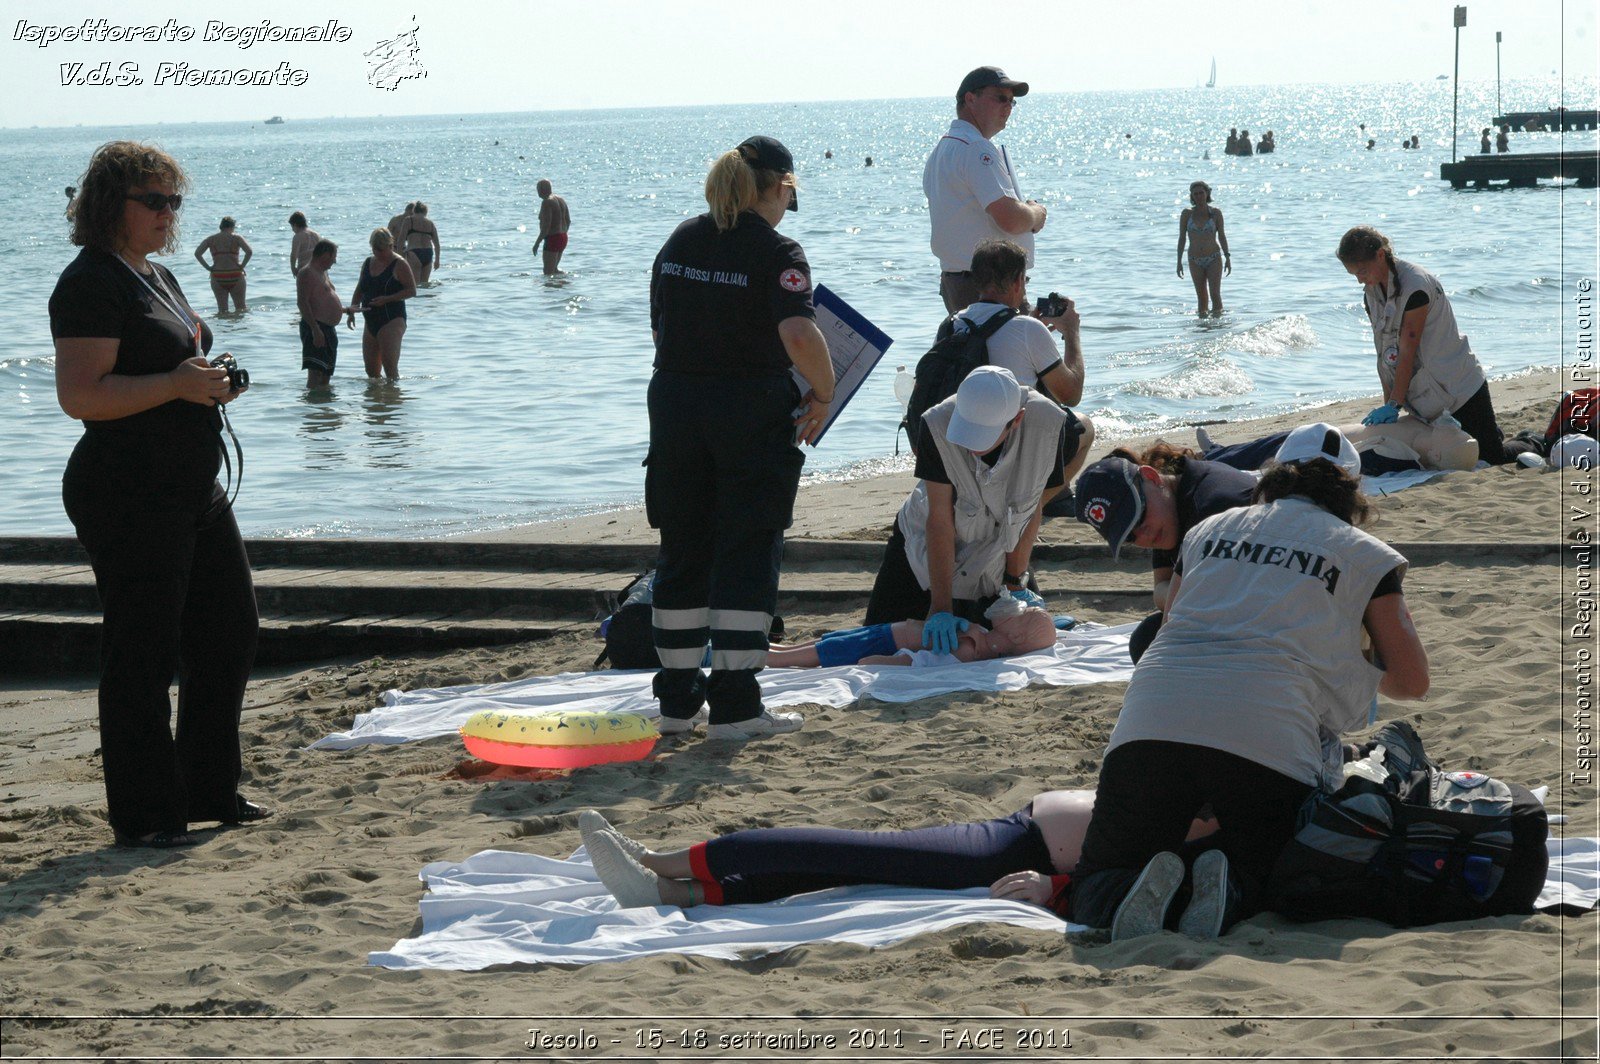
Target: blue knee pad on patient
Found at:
850, 645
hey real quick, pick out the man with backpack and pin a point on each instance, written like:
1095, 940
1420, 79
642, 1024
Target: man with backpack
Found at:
965, 535
994, 331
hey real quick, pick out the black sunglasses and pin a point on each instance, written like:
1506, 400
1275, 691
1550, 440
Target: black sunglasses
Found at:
157, 200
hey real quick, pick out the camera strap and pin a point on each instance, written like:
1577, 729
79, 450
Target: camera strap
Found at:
191, 323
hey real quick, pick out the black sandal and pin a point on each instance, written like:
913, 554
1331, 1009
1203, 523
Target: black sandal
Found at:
160, 840
245, 812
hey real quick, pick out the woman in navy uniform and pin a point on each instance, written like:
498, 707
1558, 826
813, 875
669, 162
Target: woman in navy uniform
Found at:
731, 313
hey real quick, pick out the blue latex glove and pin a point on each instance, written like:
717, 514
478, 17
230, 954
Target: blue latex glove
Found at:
1027, 598
941, 632
1386, 414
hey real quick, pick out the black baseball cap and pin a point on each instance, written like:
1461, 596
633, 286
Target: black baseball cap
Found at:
986, 76
1111, 500
768, 153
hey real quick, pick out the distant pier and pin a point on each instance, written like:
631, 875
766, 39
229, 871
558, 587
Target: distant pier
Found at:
1558, 119
1523, 170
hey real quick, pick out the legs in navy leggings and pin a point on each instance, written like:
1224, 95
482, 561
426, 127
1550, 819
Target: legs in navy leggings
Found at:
770, 863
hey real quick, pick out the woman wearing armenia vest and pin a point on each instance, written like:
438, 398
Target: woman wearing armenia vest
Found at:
1425, 363
1239, 701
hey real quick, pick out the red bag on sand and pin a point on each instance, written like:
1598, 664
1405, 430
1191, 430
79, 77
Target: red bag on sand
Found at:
1574, 414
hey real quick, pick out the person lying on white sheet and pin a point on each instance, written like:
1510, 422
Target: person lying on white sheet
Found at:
1022, 857
1020, 632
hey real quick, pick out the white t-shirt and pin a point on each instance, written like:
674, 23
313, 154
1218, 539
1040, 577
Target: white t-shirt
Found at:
964, 174
1023, 345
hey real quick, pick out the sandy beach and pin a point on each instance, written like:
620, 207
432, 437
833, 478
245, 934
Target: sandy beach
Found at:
254, 944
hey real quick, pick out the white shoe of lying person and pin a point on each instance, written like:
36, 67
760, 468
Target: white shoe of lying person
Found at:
633, 885
592, 823
768, 723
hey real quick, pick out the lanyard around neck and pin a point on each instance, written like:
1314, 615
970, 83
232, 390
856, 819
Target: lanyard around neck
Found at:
190, 322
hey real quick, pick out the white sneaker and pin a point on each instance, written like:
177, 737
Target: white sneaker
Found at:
678, 725
769, 723
1144, 909
592, 823
1208, 905
632, 884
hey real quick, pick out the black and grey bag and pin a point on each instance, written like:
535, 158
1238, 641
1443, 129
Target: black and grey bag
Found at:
1406, 842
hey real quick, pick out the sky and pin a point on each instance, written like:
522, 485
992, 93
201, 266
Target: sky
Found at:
480, 56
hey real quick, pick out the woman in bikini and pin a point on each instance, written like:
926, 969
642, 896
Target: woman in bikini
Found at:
1200, 227
386, 283
226, 267
422, 243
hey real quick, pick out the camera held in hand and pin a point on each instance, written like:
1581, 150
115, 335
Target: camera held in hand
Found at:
1051, 306
238, 379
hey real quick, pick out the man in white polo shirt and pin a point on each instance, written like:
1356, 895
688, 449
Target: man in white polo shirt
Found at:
972, 193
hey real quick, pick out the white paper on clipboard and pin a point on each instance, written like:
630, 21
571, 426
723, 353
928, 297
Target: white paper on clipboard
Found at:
855, 346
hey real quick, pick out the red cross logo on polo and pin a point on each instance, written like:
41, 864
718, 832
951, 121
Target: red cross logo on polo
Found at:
986, 159
793, 280
1097, 512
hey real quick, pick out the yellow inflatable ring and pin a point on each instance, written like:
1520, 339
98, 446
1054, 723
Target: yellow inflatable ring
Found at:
558, 740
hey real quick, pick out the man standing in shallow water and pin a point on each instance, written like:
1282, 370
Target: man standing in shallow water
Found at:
305, 238
554, 221
320, 310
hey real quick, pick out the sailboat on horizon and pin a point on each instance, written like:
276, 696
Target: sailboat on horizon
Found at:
1213, 82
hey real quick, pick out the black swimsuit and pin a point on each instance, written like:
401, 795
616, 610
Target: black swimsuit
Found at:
383, 284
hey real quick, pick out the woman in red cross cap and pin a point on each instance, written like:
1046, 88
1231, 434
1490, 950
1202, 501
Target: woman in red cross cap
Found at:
735, 331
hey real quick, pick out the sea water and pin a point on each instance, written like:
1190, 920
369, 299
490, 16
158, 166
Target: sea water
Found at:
522, 398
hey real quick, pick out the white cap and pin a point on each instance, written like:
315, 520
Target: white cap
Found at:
985, 403
1575, 450
1321, 440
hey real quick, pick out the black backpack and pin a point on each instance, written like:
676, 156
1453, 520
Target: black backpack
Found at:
630, 644
628, 632
947, 363
1421, 847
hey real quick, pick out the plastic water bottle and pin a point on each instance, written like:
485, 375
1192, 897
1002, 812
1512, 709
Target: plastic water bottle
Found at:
904, 384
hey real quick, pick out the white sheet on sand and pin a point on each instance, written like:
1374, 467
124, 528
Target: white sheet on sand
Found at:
498, 907
1098, 656
1389, 483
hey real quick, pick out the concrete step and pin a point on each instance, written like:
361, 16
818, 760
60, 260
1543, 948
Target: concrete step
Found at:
545, 594
332, 598
52, 642
634, 558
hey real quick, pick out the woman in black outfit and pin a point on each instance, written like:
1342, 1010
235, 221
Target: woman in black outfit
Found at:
141, 490
731, 313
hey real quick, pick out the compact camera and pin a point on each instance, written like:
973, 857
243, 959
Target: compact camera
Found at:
1051, 306
238, 379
